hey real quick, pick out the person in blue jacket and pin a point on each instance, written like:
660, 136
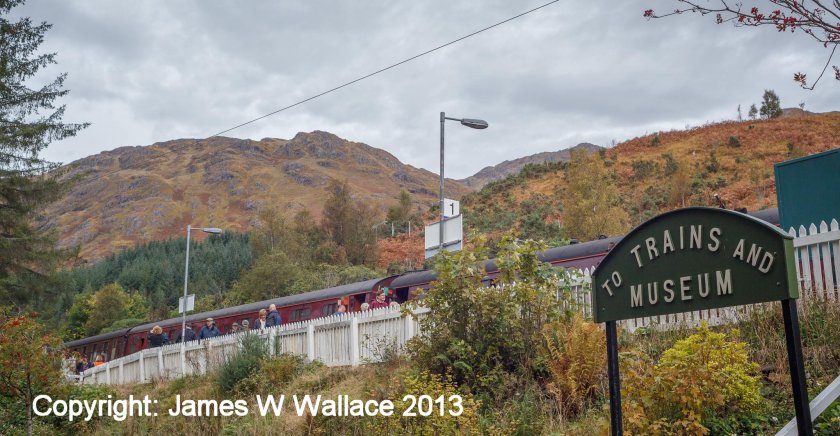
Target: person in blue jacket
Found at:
209, 330
273, 318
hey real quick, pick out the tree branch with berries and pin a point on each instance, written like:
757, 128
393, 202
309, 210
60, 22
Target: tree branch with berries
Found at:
818, 18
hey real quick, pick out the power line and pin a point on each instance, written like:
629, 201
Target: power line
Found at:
384, 69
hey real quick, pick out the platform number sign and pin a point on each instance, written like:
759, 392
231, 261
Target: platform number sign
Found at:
451, 208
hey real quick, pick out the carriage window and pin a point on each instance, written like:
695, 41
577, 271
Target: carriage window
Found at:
328, 309
304, 314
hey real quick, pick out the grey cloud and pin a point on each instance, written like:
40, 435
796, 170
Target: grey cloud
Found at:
149, 71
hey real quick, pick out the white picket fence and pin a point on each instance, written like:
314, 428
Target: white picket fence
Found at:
359, 337
337, 340
818, 260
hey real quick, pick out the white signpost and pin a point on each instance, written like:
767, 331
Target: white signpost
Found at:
190, 303
453, 234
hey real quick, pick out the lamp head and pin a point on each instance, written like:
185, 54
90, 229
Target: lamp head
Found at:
475, 124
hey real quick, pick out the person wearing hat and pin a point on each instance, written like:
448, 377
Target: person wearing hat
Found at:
245, 325
209, 330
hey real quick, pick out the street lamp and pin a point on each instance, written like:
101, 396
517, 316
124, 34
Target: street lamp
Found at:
214, 231
469, 122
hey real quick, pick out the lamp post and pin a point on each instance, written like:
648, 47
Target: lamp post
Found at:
469, 122
212, 230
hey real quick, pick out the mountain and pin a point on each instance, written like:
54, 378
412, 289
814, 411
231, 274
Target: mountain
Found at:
509, 167
662, 171
133, 195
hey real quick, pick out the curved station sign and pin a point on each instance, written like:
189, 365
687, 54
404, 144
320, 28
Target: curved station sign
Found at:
693, 259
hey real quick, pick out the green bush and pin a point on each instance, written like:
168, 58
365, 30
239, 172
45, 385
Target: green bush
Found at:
703, 384
273, 374
480, 333
242, 364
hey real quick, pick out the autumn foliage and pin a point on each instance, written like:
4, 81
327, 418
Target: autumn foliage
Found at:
30, 364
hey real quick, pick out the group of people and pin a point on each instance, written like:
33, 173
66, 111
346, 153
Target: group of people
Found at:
267, 318
82, 363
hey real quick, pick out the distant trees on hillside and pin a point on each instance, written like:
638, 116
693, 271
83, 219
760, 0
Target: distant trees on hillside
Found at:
770, 105
153, 272
350, 224
299, 255
94, 313
593, 204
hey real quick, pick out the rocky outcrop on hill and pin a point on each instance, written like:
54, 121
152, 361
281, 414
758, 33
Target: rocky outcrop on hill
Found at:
508, 167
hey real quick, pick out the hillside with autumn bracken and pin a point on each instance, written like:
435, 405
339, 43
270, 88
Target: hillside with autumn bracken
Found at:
132, 195
659, 172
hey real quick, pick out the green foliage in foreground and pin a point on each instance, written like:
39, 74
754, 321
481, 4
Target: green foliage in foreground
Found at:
483, 335
704, 383
252, 352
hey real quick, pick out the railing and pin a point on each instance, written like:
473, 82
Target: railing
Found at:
337, 340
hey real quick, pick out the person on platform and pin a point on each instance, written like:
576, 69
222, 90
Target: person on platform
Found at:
379, 302
245, 326
82, 365
273, 318
157, 338
99, 360
259, 324
209, 330
189, 334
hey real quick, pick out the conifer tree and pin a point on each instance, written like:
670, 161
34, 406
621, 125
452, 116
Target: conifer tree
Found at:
29, 122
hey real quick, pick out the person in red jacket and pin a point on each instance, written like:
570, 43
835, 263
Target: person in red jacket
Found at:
379, 302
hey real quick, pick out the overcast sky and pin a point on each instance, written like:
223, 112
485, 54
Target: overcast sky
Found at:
149, 71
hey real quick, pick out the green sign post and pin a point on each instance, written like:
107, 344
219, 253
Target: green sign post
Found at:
694, 259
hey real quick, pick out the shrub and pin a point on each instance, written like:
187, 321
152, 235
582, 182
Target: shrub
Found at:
243, 364
671, 164
273, 374
704, 383
396, 388
480, 333
643, 168
656, 142
575, 352
712, 165
734, 141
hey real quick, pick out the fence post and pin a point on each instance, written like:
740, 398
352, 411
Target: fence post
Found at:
310, 342
183, 358
142, 367
108, 373
120, 372
354, 341
272, 339
160, 361
409, 327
